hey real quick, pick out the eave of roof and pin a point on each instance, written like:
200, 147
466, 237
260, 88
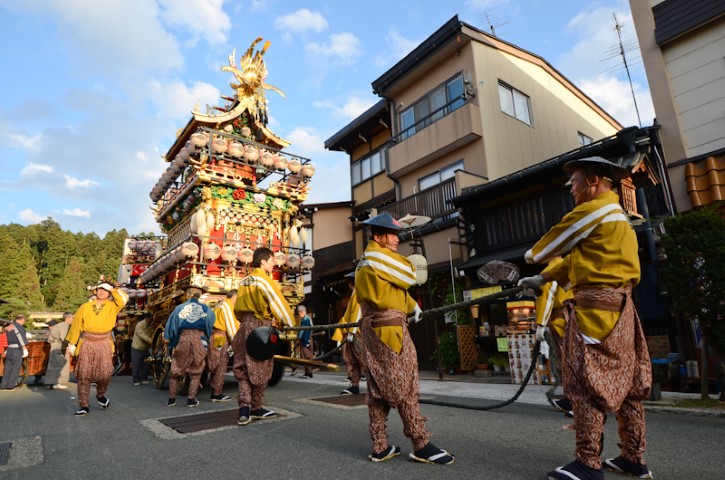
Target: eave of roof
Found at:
362, 124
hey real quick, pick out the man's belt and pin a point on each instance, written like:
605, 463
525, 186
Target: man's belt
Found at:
599, 304
14, 346
391, 322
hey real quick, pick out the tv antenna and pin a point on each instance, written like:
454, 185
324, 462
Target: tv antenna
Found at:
622, 52
490, 19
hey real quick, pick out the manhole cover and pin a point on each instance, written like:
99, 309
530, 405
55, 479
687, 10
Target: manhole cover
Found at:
202, 421
343, 400
5, 452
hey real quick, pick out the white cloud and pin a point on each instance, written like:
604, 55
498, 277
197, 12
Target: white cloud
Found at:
76, 184
206, 18
341, 46
35, 168
484, 4
615, 97
396, 47
306, 141
116, 37
31, 143
301, 21
176, 100
348, 111
30, 216
77, 212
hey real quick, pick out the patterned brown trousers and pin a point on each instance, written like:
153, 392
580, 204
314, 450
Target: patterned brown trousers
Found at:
217, 360
352, 355
251, 374
392, 383
189, 359
94, 364
614, 376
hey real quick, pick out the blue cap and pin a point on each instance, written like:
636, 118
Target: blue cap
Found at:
384, 220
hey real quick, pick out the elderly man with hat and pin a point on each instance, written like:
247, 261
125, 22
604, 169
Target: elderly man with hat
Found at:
382, 280
606, 363
187, 333
89, 339
260, 303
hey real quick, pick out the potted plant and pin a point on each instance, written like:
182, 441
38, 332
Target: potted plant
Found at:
499, 362
448, 351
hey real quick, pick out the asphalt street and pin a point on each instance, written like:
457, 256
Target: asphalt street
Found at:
316, 440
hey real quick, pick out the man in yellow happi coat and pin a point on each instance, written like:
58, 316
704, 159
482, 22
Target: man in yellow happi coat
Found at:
225, 328
89, 339
259, 303
606, 363
382, 280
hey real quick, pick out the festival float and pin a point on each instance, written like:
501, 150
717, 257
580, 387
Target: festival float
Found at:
230, 187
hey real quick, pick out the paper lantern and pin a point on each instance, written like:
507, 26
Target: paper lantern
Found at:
421, 267
294, 166
245, 255
212, 251
308, 262
280, 258
293, 260
229, 254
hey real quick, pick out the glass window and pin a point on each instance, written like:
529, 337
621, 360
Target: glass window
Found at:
514, 103
407, 123
455, 93
437, 102
450, 170
429, 181
366, 172
356, 175
421, 114
584, 139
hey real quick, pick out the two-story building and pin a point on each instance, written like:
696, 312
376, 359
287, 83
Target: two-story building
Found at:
462, 109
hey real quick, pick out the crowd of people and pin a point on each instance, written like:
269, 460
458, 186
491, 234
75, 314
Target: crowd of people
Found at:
585, 302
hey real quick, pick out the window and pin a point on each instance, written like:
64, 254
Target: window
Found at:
368, 167
443, 174
584, 139
514, 103
436, 104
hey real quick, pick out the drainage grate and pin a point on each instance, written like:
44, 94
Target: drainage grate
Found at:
5, 452
202, 421
343, 400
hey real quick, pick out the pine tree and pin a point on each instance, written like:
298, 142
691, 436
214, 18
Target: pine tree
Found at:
71, 291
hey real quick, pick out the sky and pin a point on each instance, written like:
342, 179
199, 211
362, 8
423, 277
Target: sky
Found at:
93, 92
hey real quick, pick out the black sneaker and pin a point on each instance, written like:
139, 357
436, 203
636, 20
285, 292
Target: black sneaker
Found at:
306, 375
171, 402
387, 454
264, 413
564, 405
220, 398
432, 454
576, 470
351, 391
103, 402
622, 465
244, 416
192, 402
81, 411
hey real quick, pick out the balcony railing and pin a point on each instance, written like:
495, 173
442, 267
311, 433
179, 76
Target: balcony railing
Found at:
333, 256
432, 202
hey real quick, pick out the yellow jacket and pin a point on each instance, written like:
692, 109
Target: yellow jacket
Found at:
352, 315
260, 295
226, 321
602, 249
382, 281
90, 319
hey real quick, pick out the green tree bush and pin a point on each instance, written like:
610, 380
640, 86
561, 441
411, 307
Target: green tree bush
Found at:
695, 277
